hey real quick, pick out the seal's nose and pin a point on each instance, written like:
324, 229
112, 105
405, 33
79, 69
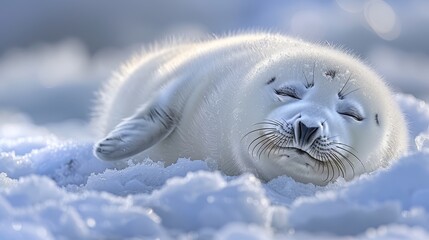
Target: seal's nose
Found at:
305, 135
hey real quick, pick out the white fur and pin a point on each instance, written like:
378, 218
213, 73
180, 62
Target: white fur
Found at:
215, 91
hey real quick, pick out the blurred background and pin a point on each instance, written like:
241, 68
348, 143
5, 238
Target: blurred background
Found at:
55, 54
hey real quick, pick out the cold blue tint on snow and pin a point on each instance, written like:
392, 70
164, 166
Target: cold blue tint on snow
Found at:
54, 56
52, 188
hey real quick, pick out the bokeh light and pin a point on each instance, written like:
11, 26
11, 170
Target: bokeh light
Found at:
54, 56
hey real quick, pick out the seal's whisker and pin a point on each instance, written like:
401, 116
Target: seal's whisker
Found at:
352, 91
266, 123
314, 66
255, 148
341, 93
266, 144
331, 164
256, 130
285, 142
335, 166
347, 160
308, 84
339, 163
270, 146
328, 167
279, 139
264, 148
354, 155
271, 121
345, 145
260, 137
332, 157
323, 167
343, 165
263, 141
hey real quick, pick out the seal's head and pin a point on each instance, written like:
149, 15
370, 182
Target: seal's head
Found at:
323, 115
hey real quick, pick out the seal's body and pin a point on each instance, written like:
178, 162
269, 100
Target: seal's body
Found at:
259, 103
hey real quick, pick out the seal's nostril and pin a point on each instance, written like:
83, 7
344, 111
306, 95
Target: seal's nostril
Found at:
304, 134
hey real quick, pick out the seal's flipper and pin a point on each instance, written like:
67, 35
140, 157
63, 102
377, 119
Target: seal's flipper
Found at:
137, 133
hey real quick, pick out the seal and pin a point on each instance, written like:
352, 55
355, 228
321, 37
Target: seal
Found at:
257, 102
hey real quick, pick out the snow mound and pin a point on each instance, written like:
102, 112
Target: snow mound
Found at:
55, 189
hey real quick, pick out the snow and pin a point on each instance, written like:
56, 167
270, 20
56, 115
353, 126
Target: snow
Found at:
53, 188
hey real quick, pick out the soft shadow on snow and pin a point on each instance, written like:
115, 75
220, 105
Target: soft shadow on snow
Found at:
52, 188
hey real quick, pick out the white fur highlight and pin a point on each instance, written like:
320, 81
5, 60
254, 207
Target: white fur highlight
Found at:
219, 89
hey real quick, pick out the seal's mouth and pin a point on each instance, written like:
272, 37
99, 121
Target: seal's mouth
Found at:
289, 151
300, 151
322, 155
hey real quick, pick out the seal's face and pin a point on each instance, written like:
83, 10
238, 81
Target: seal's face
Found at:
319, 125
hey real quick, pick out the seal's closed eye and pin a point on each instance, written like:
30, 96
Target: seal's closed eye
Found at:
287, 91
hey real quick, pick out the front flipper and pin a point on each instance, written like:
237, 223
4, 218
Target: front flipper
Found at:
137, 133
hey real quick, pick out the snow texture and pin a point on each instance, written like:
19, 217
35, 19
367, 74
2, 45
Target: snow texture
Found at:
52, 188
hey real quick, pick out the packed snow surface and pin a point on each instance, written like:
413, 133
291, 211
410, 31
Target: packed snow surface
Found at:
51, 188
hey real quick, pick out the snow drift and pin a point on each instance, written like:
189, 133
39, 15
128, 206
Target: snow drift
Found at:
55, 189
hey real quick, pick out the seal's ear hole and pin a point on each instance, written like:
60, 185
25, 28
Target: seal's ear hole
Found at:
271, 80
377, 120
